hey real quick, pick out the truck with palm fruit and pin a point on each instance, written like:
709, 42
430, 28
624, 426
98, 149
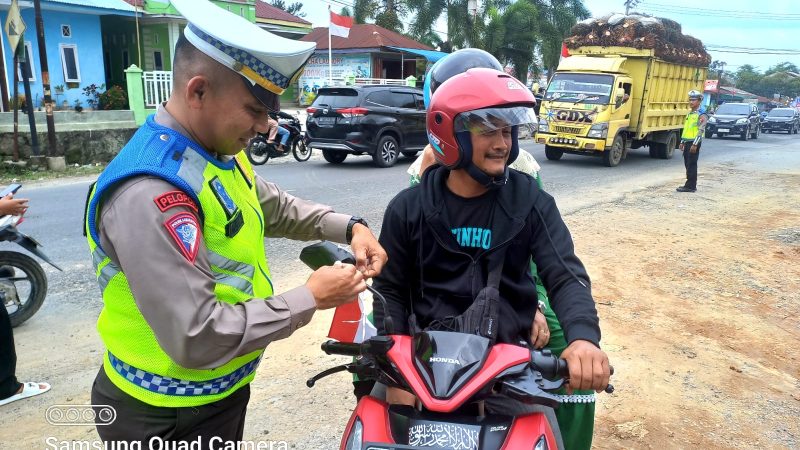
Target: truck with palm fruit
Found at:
606, 100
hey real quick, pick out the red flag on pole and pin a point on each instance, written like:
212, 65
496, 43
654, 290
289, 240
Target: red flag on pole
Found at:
564, 50
340, 25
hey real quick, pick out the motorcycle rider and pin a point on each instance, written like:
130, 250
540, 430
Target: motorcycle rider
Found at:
576, 413
443, 235
275, 129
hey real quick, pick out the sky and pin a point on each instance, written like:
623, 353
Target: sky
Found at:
744, 24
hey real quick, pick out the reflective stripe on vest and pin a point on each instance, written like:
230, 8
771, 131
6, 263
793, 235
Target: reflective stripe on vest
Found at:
691, 126
173, 386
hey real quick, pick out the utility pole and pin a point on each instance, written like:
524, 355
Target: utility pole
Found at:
48, 101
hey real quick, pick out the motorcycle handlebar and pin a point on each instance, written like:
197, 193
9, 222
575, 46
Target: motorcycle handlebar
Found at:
551, 366
341, 348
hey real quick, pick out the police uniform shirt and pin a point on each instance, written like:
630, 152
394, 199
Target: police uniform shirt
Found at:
176, 295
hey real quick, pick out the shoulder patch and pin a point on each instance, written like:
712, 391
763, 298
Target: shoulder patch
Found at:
185, 231
172, 199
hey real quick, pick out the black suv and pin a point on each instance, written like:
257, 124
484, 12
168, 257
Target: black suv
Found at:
741, 119
782, 119
378, 120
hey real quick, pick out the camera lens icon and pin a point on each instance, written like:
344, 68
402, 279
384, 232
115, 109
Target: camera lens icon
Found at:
80, 415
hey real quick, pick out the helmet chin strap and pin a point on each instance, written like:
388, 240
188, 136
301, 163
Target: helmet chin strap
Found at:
485, 180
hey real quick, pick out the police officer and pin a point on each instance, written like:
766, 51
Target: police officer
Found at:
176, 227
693, 130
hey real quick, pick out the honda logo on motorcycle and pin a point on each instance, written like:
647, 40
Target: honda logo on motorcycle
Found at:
574, 116
436, 359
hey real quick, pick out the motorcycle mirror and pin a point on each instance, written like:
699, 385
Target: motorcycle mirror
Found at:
326, 253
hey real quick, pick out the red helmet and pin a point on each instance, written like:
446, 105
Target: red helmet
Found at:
478, 99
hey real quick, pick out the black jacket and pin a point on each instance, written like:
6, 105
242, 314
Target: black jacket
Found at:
427, 268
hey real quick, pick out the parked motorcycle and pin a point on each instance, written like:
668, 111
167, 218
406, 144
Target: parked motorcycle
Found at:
259, 151
449, 373
23, 284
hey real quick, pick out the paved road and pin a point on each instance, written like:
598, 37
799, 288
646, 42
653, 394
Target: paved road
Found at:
56, 214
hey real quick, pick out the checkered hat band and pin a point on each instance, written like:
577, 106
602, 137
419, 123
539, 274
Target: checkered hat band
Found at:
173, 386
245, 58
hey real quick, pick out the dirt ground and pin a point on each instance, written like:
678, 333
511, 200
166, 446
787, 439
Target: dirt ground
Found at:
699, 305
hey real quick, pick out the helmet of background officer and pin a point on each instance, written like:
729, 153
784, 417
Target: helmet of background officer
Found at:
453, 64
695, 95
480, 106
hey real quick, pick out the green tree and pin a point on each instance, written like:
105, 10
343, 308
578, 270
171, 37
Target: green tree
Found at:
555, 19
781, 67
294, 8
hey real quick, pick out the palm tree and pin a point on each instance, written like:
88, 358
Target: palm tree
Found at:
555, 19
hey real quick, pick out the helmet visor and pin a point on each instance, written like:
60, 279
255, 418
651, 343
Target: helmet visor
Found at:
487, 120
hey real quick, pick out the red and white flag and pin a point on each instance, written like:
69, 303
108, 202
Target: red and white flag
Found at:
350, 323
340, 25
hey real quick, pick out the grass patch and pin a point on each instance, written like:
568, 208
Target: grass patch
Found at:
12, 173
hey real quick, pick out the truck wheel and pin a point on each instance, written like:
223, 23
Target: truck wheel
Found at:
756, 134
665, 151
613, 155
709, 134
334, 157
553, 153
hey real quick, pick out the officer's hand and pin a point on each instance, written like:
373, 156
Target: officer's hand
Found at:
693, 149
588, 366
332, 286
680, 147
370, 256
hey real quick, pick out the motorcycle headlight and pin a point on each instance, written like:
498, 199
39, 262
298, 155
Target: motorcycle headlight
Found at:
544, 126
356, 437
598, 130
541, 444
741, 121
712, 120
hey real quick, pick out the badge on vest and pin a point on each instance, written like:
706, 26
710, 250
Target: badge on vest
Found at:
172, 199
184, 230
232, 212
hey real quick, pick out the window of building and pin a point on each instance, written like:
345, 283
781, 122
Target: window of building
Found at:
29, 62
241, 11
66, 31
70, 64
158, 61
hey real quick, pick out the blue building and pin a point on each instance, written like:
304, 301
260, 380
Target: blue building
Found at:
75, 53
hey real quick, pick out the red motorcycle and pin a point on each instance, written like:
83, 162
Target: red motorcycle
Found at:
449, 373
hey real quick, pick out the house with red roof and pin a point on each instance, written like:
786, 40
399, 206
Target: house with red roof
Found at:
369, 52
280, 22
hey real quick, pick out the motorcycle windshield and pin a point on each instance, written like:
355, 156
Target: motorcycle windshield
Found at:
447, 360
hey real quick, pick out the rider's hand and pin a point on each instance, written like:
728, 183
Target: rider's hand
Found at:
540, 332
13, 206
370, 256
588, 366
332, 286
680, 147
693, 149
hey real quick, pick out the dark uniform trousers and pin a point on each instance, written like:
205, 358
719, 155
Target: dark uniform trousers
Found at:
8, 356
137, 421
690, 161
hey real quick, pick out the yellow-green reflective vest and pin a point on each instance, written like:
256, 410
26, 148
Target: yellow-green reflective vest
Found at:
233, 231
691, 126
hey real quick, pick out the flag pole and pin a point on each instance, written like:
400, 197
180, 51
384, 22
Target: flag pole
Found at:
330, 52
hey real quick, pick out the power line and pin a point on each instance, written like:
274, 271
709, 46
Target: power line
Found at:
733, 14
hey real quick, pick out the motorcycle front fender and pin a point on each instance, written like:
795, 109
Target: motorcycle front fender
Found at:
30, 244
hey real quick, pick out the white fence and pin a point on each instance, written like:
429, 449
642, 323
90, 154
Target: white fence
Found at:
157, 87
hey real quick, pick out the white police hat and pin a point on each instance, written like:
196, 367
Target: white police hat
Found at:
269, 63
